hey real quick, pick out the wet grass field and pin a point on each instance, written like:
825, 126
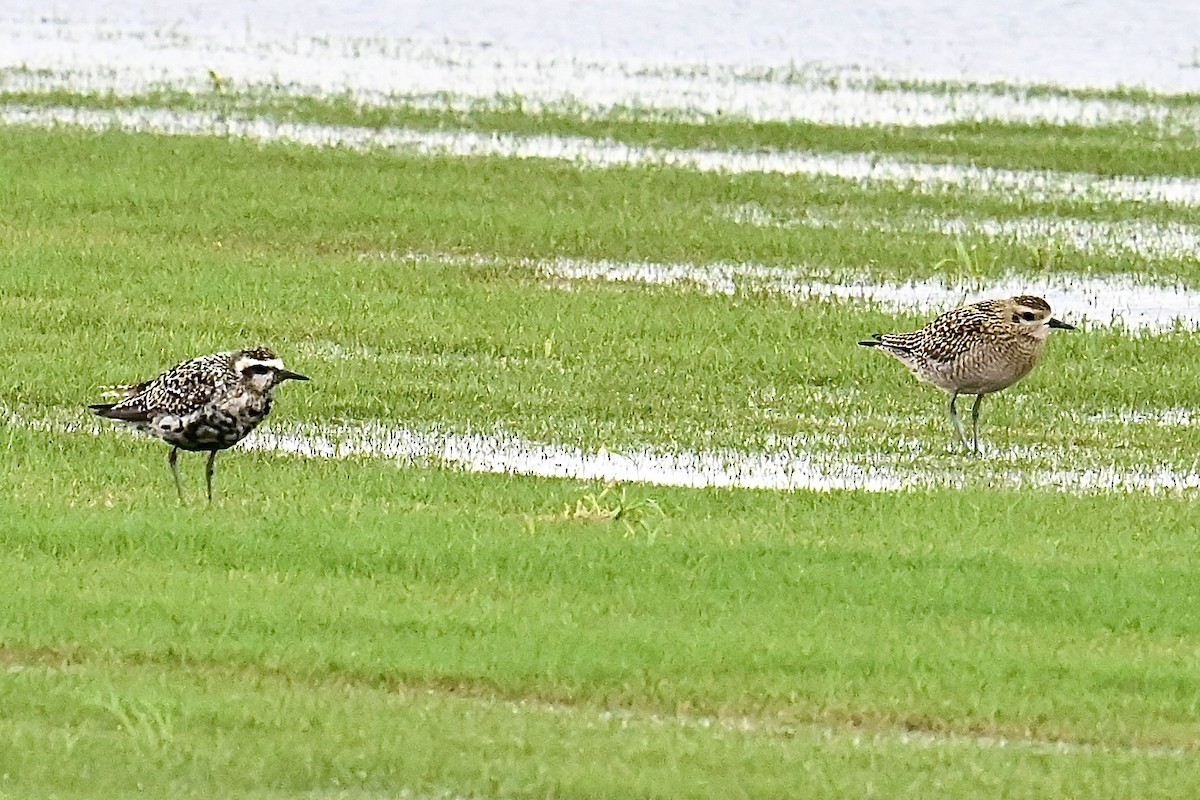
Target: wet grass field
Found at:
1022, 625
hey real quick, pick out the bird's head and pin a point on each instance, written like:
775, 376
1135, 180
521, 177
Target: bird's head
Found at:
261, 370
1031, 316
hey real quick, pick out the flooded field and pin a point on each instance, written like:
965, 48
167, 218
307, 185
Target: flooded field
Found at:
592, 481
133, 59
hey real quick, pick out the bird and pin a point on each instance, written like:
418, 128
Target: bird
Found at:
977, 349
204, 404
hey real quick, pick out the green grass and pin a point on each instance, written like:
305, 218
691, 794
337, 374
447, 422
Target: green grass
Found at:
393, 612
364, 628
146, 723
287, 199
127, 189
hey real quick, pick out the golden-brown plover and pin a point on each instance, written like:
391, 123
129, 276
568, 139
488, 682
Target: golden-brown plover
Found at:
207, 404
975, 350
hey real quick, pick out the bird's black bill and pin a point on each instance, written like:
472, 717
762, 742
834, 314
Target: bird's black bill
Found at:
288, 375
1058, 323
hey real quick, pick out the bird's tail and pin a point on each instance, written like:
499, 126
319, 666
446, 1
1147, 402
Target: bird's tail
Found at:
113, 411
890, 342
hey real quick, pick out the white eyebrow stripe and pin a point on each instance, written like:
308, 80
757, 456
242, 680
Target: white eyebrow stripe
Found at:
246, 362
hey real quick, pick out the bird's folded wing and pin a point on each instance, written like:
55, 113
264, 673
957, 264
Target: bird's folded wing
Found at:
182, 389
955, 333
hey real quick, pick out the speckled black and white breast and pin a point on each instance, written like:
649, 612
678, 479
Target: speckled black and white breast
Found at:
216, 425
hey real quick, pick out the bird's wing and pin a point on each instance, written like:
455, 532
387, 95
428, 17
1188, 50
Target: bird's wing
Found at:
957, 332
944, 339
183, 388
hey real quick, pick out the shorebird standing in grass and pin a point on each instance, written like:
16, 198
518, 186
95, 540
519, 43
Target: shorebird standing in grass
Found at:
975, 350
207, 404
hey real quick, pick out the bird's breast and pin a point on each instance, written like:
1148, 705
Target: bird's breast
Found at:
215, 426
983, 370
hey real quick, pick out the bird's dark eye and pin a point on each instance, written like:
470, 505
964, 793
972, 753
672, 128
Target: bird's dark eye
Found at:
257, 369
1028, 316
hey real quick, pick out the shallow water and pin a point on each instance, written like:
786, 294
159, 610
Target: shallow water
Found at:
768, 59
798, 463
1126, 301
1119, 239
506, 46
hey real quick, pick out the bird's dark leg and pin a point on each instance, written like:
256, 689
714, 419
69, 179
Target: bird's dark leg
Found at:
958, 426
208, 473
171, 459
975, 420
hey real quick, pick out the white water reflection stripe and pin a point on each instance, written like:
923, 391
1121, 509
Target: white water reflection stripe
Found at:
789, 467
1120, 301
1120, 238
508, 454
1112, 300
862, 168
786, 469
